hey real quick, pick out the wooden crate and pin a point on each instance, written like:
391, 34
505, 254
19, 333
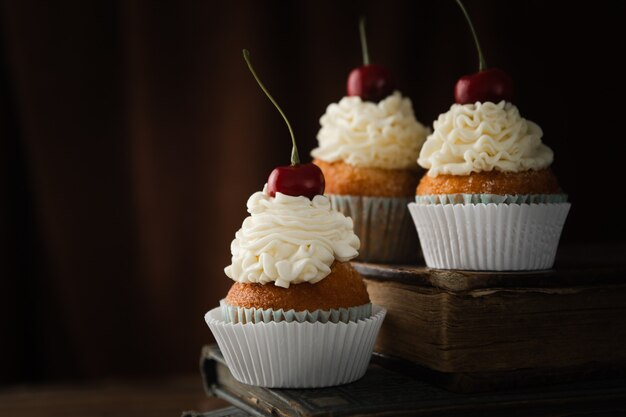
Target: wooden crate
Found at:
471, 331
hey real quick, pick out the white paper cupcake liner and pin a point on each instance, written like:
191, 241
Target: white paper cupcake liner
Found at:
490, 198
296, 355
234, 314
383, 224
489, 237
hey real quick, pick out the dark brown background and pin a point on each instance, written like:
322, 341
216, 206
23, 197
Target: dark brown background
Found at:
131, 135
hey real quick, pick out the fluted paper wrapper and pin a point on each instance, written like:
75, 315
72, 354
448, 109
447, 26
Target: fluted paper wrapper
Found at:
296, 355
234, 314
383, 224
489, 237
490, 198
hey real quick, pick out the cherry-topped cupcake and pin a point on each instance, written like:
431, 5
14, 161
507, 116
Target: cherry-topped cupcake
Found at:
285, 321
368, 143
489, 199
290, 261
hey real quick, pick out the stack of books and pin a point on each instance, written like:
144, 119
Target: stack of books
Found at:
386, 392
473, 343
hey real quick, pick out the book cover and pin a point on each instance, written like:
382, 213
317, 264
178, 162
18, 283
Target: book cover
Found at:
383, 392
482, 330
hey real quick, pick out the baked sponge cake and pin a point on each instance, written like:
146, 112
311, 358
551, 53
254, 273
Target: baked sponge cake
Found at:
343, 288
489, 199
345, 179
528, 182
298, 314
367, 145
290, 262
367, 152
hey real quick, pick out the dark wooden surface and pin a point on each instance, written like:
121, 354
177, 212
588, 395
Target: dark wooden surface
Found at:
145, 398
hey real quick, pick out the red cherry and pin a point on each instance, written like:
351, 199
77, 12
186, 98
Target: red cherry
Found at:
488, 84
296, 180
491, 84
370, 82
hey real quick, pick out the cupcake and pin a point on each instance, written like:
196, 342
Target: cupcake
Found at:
298, 314
290, 262
489, 200
368, 144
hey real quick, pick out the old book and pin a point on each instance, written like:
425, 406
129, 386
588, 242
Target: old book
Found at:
384, 392
472, 331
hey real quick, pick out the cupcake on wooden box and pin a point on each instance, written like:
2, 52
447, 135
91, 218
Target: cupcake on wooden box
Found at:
489, 200
298, 314
368, 144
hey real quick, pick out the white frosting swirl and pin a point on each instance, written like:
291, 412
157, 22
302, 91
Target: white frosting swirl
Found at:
483, 137
290, 240
376, 135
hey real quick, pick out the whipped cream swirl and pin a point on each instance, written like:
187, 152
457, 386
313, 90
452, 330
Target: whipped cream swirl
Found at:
483, 137
290, 240
375, 135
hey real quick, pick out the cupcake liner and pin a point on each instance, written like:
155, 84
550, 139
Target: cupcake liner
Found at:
296, 355
383, 224
490, 198
234, 314
489, 237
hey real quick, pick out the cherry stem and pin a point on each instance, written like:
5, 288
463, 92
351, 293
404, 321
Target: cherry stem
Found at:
366, 55
482, 65
295, 158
